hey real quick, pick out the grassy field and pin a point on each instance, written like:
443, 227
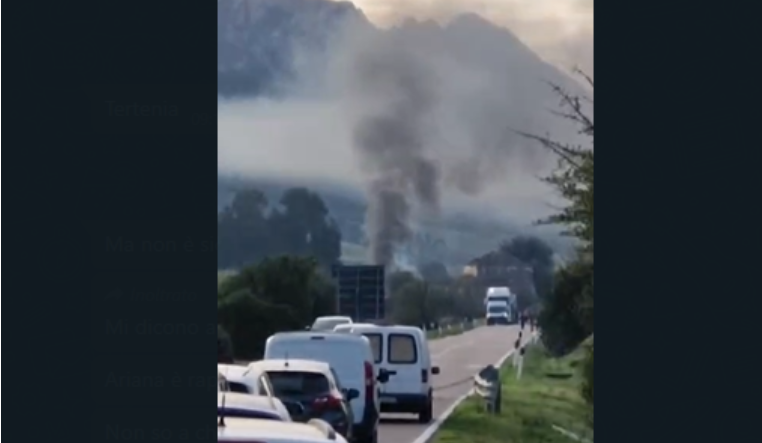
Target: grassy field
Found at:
546, 395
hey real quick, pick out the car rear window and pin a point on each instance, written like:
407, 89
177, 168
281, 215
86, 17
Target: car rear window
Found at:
234, 386
248, 413
402, 349
298, 383
376, 346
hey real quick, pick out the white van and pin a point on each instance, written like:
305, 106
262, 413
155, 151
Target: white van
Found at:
403, 352
351, 359
347, 327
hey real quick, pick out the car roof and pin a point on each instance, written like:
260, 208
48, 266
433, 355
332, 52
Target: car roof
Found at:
228, 371
388, 328
334, 317
246, 401
350, 325
237, 429
308, 335
282, 364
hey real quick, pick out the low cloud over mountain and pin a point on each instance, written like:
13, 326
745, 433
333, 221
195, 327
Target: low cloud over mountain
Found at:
421, 118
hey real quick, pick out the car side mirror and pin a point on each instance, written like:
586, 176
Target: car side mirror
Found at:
435, 370
351, 394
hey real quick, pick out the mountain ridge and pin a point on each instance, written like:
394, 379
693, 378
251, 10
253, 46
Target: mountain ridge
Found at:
257, 40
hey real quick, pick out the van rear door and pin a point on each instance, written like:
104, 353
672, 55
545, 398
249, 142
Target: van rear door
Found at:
403, 359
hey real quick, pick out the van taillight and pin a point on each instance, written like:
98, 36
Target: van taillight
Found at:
370, 382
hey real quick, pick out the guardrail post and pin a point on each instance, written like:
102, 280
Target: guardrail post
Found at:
487, 385
520, 368
516, 346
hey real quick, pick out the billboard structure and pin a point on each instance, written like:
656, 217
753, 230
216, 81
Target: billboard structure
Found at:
361, 291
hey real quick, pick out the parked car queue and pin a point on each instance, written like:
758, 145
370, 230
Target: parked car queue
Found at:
327, 385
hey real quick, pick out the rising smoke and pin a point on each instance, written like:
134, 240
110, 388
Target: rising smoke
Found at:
391, 142
422, 118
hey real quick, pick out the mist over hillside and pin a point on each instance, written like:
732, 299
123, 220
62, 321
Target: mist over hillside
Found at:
411, 129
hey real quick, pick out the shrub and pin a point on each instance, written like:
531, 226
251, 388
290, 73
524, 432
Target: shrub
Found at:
587, 384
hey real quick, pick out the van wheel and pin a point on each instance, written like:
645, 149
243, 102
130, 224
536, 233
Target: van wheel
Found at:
427, 413
372, 438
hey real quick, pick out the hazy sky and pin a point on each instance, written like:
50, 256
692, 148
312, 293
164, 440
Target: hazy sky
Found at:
561, 31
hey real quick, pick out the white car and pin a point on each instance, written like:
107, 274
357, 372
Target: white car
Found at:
237, 430
350, 357
232, 404
238, 379
402, 352
327, 323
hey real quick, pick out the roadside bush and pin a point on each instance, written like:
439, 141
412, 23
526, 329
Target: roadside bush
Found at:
278, 294
587, 385
250, 320
224, 346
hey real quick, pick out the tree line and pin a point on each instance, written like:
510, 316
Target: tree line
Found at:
567, 316
251, 228
287, 292
283, 253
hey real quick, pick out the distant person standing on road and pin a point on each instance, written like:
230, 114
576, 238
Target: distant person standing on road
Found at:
523, 319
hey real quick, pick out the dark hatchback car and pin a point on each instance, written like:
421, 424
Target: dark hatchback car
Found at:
314, 386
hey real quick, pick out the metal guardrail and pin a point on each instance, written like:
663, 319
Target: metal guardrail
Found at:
487, 382
451, 327
488, 386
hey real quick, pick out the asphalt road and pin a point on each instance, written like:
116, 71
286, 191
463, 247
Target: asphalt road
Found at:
459, 358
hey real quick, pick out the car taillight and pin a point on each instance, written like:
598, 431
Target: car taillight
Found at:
370, 382
326, 403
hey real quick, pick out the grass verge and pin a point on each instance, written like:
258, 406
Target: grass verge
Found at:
547, 395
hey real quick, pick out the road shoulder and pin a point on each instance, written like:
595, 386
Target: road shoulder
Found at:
540, 406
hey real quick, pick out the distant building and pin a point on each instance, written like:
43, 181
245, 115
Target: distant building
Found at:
502, 269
